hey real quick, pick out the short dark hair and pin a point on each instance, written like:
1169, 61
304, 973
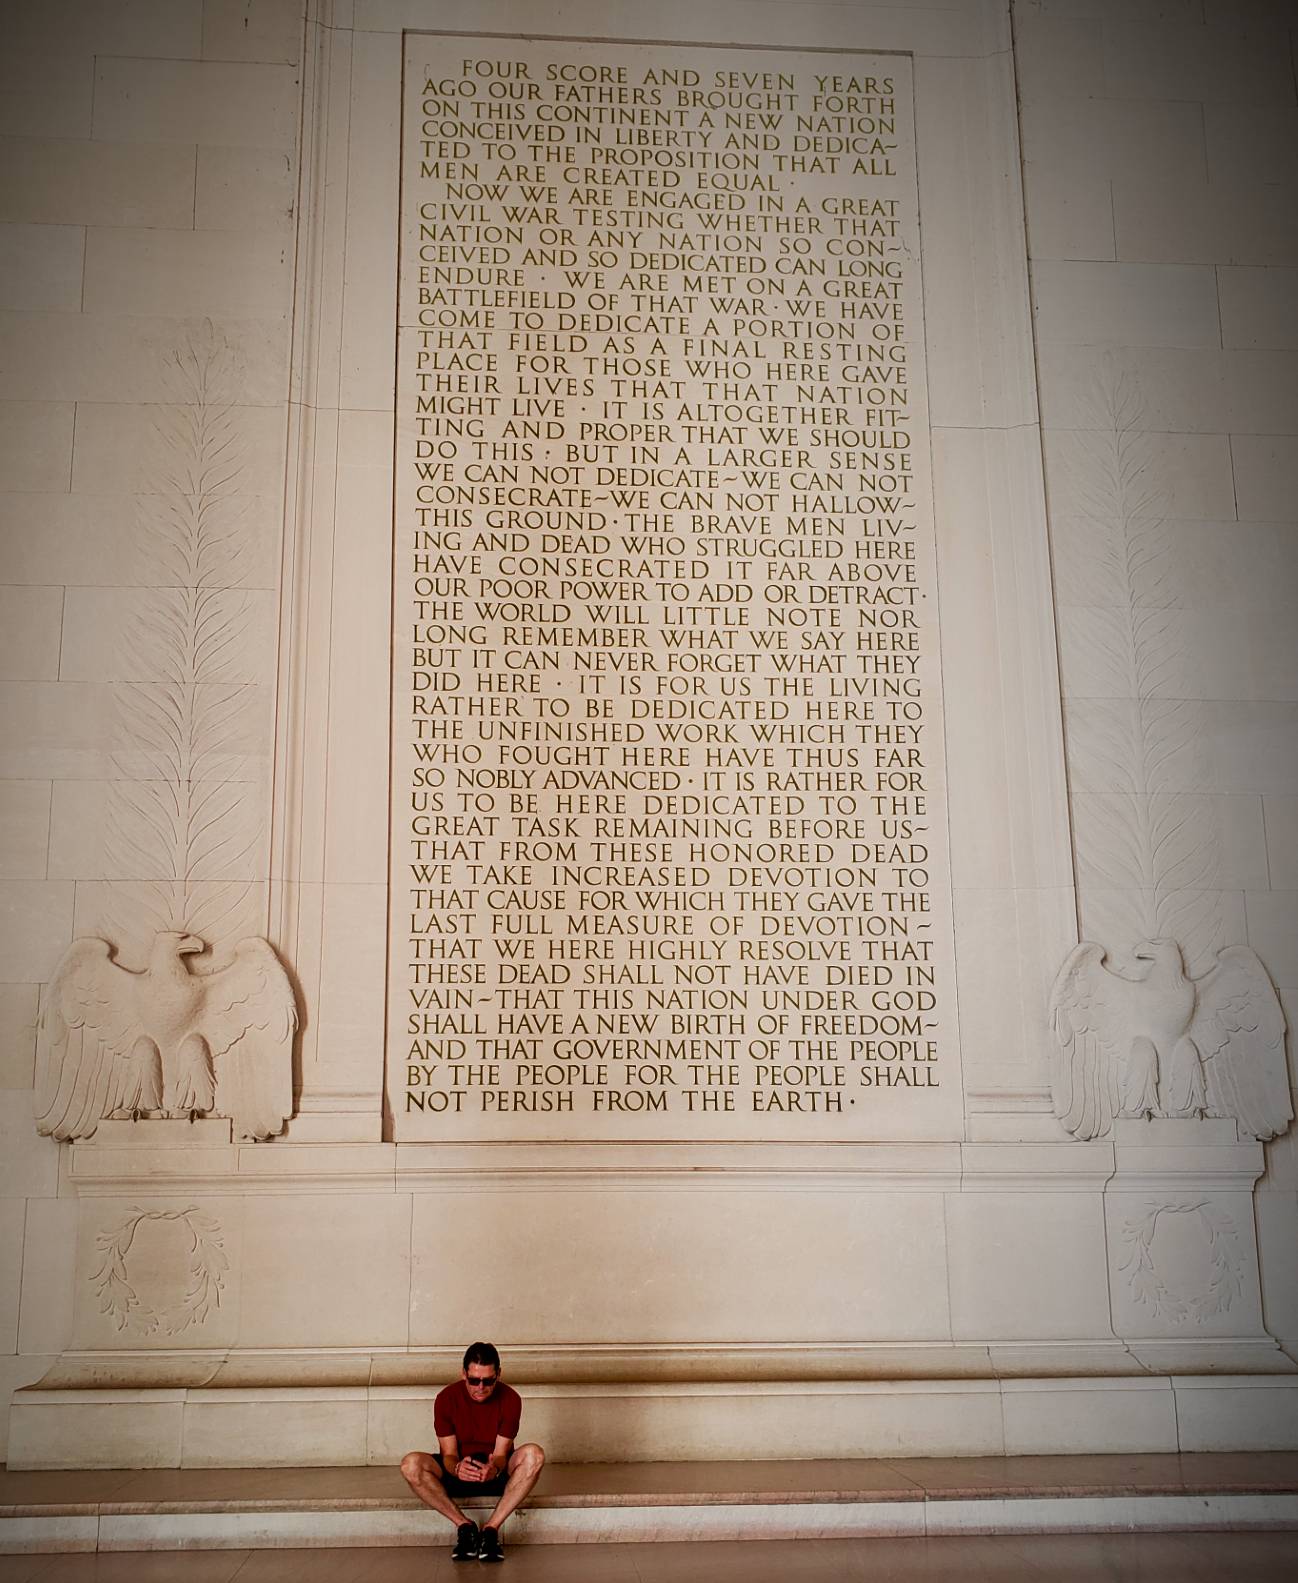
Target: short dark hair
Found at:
484, 1355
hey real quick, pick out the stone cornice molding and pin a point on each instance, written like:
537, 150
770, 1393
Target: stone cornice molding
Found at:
558, 1371
107, 1170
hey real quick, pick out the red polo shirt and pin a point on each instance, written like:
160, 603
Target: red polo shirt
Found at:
476, 1425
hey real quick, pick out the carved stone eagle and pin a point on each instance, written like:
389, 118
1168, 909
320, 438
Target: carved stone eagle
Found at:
1162, 1044
167, 1041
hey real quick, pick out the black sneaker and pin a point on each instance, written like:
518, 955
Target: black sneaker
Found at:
489, 1546
467, 1540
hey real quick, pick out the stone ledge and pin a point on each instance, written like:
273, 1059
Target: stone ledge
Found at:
343, 1425
1142, 1156
580, 1367
224, 1508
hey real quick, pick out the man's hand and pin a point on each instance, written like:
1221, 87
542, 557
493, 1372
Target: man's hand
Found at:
470, 1471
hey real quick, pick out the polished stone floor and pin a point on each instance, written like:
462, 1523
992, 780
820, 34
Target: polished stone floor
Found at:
1083, 1558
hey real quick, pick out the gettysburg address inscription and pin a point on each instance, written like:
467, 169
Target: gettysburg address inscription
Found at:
668, 840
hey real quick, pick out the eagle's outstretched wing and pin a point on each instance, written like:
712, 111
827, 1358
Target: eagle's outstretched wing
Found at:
1086, 1012
1240, 1029
249, 1017
87, 1026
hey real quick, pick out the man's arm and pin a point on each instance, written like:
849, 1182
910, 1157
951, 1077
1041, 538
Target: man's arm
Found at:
499, 1458
449, 1446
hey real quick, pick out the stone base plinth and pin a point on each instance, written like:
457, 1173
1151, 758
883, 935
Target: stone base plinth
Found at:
620, 1503
300, 1304
353, 1424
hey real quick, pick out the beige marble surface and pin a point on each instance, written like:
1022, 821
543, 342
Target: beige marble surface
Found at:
659, 1483
155, 147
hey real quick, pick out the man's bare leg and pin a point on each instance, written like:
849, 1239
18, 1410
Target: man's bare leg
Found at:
524, 1469
424, 1476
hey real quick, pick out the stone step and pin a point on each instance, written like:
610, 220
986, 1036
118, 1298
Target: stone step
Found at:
251, 1508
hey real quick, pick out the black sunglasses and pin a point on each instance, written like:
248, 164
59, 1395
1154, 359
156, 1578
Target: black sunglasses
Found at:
479, 1384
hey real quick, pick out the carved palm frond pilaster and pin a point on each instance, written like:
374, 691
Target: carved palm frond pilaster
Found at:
181, 821
1148, 846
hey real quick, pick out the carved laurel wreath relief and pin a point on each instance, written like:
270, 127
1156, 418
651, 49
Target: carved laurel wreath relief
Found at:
117, 1288
1175, 1300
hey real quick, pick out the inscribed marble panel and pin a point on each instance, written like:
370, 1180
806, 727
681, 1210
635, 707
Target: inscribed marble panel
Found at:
668, 837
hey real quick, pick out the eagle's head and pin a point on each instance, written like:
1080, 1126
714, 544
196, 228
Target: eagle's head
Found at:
1164, 956
175, 943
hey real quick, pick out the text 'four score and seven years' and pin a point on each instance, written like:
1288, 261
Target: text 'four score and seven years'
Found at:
667, 793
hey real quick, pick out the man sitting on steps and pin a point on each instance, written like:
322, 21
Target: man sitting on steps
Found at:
475, 1420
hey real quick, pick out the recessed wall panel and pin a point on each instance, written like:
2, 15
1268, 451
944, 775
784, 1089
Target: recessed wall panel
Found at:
668, 830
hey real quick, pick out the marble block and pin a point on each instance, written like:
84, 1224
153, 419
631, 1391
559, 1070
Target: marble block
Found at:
661, 588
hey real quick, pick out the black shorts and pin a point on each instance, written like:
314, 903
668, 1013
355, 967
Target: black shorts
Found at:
462, 1489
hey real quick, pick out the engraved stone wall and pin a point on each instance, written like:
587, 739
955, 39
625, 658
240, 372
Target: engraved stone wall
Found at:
669, 851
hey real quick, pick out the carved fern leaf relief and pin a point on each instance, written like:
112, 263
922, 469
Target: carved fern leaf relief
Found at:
185, 806
1113, 843
192, 541
1102, 738
1202, 920
220, 912
1119, 915
1184, 838
1170, 739
1132, 736
1096, 652
1087, 568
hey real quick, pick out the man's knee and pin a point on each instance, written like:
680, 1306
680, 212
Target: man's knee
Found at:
530, 1458
417, 1465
